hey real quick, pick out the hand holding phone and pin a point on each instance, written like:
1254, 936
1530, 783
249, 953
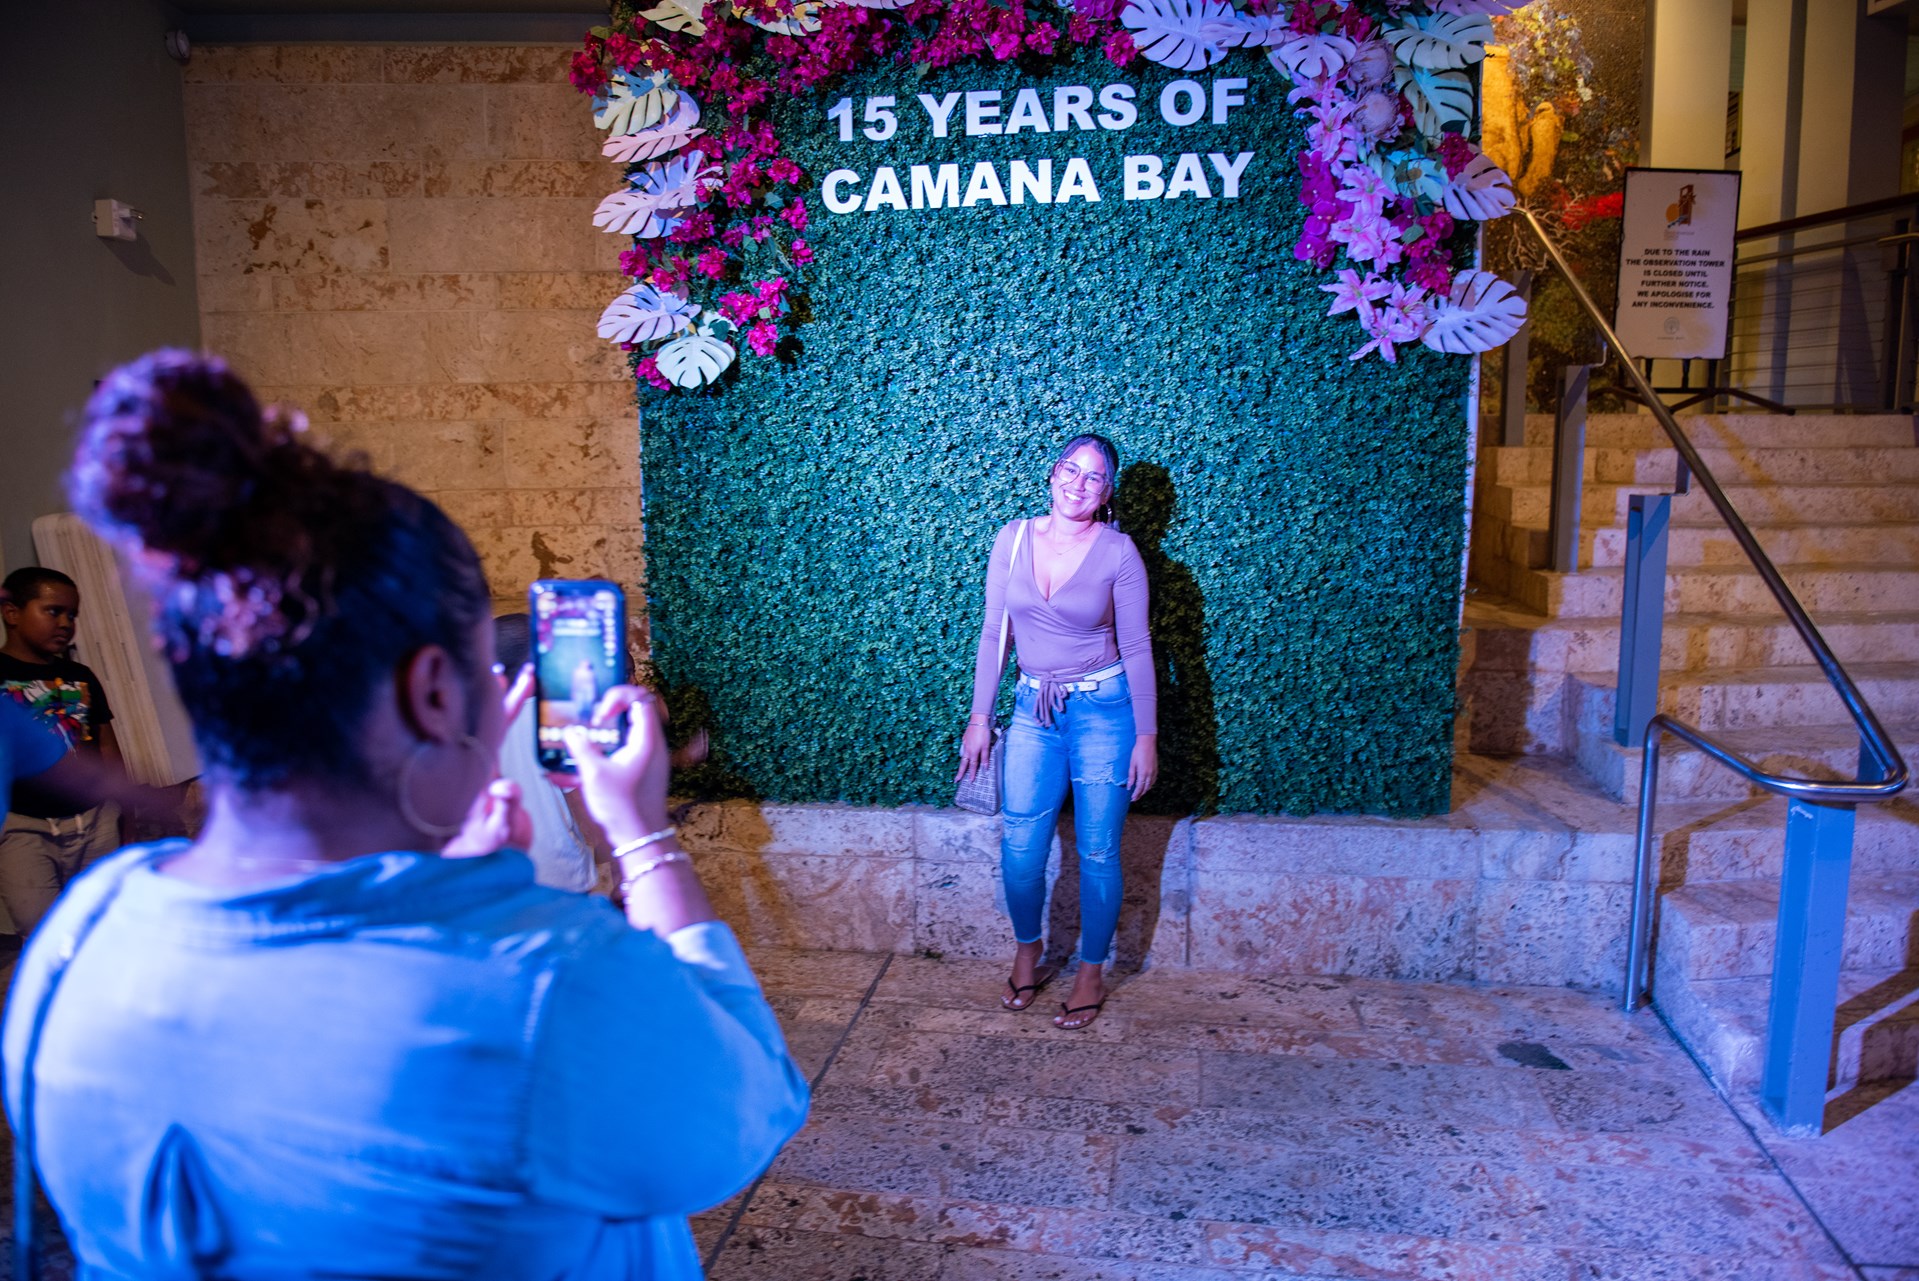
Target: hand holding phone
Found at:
579, 655
625, 790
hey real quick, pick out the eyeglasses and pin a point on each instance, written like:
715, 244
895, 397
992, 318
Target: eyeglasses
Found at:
1071, 475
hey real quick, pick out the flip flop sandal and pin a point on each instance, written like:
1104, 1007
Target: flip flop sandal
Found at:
1068, 1011
1016, 1005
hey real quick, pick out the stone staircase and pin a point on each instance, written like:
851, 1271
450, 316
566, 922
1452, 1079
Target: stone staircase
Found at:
1835, 501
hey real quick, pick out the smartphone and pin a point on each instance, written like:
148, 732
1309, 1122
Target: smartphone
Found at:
579, 653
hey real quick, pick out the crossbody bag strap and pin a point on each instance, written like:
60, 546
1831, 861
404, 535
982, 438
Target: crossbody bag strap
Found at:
1006, 609
25, 1179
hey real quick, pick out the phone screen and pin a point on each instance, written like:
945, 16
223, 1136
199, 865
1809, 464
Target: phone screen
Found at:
579, 653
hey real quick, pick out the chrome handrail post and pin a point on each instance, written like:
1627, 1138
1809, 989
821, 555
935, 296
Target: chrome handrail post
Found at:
1644, 881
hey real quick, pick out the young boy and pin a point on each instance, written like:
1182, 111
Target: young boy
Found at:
49, 839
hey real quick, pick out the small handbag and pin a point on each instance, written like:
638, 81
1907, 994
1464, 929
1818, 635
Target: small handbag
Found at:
980, 793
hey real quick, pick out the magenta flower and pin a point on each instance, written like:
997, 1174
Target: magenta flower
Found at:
649, 369
712, 262
784, 170
795, 214
802, 253
1120, 49
762, 338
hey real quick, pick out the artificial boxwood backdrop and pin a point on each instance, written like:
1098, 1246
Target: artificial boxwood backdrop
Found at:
817, 527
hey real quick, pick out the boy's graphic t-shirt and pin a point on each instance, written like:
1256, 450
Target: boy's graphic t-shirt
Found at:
66, 697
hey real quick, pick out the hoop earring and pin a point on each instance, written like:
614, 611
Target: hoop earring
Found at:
403, 794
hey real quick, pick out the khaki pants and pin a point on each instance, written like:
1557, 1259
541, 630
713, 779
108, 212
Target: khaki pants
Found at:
39, 856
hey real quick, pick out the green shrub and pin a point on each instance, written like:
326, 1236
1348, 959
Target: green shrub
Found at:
817, 528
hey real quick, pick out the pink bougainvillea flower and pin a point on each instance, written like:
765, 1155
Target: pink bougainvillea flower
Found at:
712, 262
1352, 291
762, 338
733, 237
1120, 49
1455, 153
1431, 275
786, 171
1043, 38
649, 369
800, 252
795, 214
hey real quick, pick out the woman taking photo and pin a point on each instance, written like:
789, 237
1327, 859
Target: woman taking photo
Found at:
309, 1043
1074, 591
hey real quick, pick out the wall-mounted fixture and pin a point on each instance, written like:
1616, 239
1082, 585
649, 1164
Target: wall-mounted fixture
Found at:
179, 48
116, 220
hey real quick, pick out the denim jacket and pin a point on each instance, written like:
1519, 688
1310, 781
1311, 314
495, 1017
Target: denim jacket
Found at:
405, 1066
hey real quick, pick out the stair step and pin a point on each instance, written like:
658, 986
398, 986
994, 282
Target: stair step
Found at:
1686, 773
1505, 636
1730, 431
1885, 840
1699, 589
1604, 546
1660, 466
1761, 698
1608, 504
1723, 1022
1727, 929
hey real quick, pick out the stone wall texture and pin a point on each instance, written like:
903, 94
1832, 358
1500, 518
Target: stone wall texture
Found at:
398, 240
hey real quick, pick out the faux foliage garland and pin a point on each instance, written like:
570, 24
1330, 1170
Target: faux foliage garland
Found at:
715, 210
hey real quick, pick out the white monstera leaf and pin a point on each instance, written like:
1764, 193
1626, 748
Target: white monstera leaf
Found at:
1310, 57
693, 360
656, 197
1245, 30
1440, 41
632, 102
688, 16
1480, 313
1481, 191
644, 313
669, 135
804, 21
1438, 98
1169, 32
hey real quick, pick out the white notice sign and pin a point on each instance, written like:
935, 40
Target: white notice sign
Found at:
1675, 262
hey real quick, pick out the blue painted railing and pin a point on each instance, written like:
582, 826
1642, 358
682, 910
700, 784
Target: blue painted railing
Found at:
1819, 814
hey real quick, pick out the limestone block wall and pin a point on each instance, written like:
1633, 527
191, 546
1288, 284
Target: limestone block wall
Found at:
398, 240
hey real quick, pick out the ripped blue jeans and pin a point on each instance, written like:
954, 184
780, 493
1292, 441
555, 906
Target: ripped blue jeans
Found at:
1089, 746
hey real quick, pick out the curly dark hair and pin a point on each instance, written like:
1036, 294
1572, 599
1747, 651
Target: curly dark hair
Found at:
288, 585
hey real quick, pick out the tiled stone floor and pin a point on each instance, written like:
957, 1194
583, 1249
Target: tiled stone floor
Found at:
1211, 1126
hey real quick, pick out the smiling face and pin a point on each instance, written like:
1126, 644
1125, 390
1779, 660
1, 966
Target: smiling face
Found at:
1081, 482
41, 630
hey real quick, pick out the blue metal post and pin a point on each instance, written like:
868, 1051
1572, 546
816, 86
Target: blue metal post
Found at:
1642, 621
1805, 965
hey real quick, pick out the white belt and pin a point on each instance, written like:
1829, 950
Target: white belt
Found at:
1089, 681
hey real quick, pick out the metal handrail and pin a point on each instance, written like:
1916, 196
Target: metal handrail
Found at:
1884, 778
1825, 218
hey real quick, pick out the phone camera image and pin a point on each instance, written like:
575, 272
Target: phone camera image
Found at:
579, 648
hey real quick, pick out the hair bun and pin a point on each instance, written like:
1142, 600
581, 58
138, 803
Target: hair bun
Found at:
176, 455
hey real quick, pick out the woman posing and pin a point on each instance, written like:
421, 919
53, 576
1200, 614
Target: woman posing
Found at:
307, 1043
1074, 589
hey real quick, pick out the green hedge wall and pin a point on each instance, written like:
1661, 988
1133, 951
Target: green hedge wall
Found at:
817, 526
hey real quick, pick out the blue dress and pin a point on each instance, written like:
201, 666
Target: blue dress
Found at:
405, 1066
